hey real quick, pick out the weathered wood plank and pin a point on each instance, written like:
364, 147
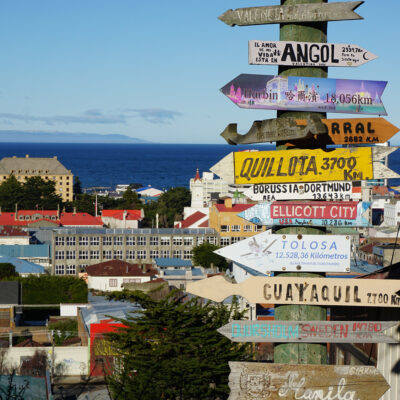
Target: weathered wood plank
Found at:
259, 381
309, 331
295, 290
339, 11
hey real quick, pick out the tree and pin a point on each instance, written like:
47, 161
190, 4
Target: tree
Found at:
130, 200
39, 193
10, 193
173, 350
7, 270
204, 255
77, 185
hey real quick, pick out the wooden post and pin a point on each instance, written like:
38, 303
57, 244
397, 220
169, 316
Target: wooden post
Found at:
302, 353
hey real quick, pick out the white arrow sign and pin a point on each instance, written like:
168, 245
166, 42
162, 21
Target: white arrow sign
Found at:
307, 54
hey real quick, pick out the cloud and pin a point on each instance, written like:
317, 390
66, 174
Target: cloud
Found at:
95, 116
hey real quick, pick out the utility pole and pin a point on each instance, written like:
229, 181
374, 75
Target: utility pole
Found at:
301, 353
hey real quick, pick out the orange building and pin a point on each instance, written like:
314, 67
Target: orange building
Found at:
230, 227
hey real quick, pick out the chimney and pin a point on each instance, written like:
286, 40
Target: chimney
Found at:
142, 213
58, 211
16, 211
74, 212
228, 202
124, 214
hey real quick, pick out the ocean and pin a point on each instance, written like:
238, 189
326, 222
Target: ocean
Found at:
160, 165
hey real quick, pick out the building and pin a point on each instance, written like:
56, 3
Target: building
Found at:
111, 275
11, 236
122, 218
391, 213
230, 227
35, 253
198, 219
76, 248
386, 254
46, 168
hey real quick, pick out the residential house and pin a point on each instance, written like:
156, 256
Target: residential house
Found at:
12, 236
124, 219
46, 168
111, 275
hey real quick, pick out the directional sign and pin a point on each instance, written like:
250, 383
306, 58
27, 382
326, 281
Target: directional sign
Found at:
265, 253
357, 130
259, 381
302, 290
271, 130
315, 213
294, 13
303, 191
307, 54
308, 331
283, 166
297, 93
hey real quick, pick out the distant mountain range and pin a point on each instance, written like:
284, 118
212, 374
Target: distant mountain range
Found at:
65, 137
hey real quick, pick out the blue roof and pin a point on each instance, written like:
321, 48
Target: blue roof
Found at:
249, 270
27, 250
172, 262
181, 272
23, 266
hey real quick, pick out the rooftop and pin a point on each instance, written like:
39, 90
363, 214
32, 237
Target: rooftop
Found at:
119, 268
172, 262
32, 166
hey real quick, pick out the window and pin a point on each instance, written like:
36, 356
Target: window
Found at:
59, 255
107, 254
71, 241
225, 241
258, 228
70, 270
130, 240
94, 240
107, 240
235, 228
164, 253
59, 270
112, 282
118, 240
187, 254
141, 254
212, 239
141, 241
83, 240
177, 254
248, 228
153, 240
83, 255
70, 254
94, 254
130, 254
153, 253
165, 241
130, 280
188, 241
60, 241
118, 254
200, 240
236, 239
177, 241
224, 228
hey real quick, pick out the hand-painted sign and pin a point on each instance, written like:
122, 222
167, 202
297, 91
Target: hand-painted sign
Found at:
283, 166
357, 130
302, 290
271, 130
265, 253
303, 191
315, 213
309, 331
259, 381
307, 54
339, 11
297, 93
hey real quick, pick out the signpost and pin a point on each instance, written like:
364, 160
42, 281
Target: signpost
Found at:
308, 331
302, 290
303, 191
307, 54
259, 381
281, 166
272, 130
307, 253
315, 213
298, 93
358, 130
294, 13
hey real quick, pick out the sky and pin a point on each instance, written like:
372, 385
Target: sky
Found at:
153, 69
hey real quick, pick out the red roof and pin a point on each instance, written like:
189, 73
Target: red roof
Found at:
197, 177
368, 248
382, 190
83, 219
204, 224
10, 231
131, 215
192, 219
119, 268
236, 208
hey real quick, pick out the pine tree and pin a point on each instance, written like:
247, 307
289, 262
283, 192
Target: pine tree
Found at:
172, 350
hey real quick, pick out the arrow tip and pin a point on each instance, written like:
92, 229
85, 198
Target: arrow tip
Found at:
224, 18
